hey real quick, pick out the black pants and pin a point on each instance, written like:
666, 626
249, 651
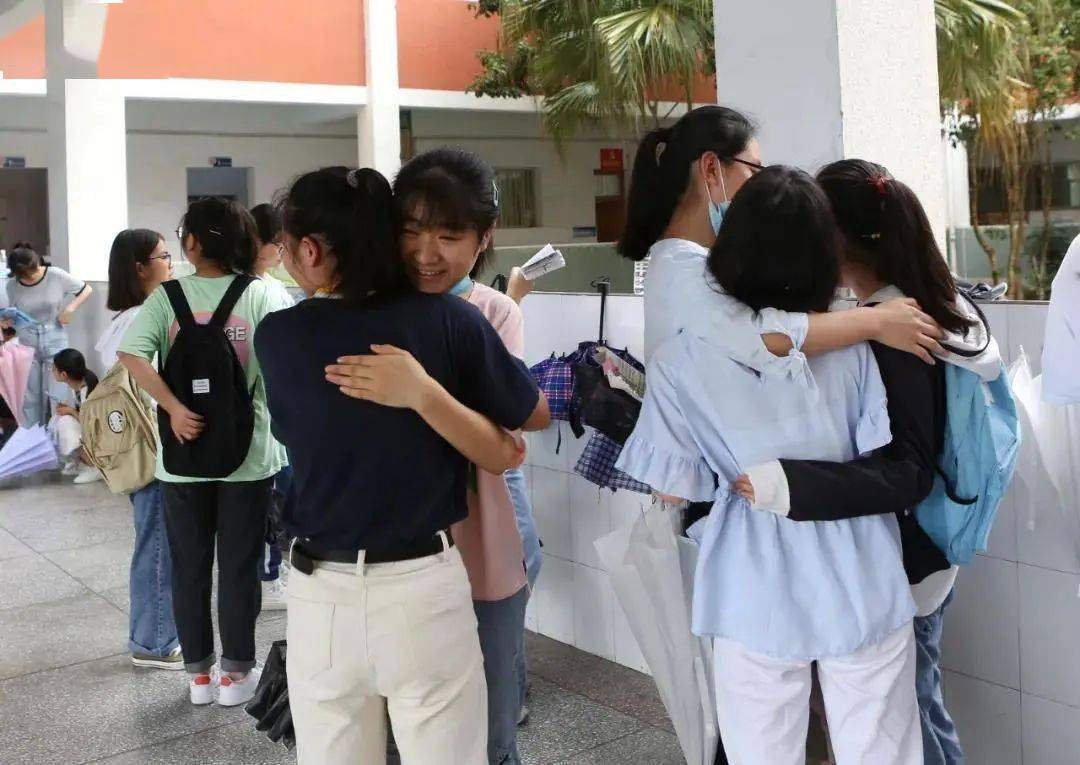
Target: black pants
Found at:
233, 515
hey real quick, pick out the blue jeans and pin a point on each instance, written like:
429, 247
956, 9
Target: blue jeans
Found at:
270, 558
530, 542
153, 630
501, 625
941, 744
523, 513
47, 340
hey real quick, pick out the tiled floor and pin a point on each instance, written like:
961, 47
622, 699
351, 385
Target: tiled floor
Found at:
69, 695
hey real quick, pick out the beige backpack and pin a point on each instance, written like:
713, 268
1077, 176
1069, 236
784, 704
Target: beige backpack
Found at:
119, 433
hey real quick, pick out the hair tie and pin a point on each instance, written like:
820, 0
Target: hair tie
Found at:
660, 147
881, 184
353, 178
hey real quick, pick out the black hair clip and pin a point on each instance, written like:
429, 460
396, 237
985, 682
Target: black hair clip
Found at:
495, 194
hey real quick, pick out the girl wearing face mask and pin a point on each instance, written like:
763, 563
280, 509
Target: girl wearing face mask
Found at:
448, 205
684, 178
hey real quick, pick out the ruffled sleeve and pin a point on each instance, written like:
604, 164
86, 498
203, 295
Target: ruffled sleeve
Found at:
662, 451
666, 472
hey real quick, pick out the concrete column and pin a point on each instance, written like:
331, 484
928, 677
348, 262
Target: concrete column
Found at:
87, 142
378, 123
836, 79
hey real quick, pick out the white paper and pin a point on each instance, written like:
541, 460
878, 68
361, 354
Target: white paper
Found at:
548, 259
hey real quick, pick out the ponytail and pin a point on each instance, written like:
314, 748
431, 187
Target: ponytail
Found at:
225, 231
886, 230
351, 213
662, 170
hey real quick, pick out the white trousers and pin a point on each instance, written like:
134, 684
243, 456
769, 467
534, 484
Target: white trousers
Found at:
67, 431
763, 704
392, 636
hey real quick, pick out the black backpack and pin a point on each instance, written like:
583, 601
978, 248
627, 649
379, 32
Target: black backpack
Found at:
203, 371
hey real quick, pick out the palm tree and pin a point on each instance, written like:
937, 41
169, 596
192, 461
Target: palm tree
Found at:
599, 61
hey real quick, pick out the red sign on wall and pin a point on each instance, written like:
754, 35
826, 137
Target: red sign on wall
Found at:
611, 160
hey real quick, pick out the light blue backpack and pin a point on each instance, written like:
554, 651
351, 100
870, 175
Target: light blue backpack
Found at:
982, 437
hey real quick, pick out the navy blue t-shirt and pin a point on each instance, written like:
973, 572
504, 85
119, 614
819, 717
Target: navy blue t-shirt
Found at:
367, 476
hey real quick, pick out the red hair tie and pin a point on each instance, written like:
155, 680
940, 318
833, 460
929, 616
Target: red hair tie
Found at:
881, 184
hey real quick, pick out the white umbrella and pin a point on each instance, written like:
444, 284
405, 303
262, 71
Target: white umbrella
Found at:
29, 450
646, 562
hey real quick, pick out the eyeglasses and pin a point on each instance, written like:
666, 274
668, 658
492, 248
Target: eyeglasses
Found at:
167, 257
757, 168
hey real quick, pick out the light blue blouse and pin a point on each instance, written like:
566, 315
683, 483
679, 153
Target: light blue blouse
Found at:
680, 293
791, 590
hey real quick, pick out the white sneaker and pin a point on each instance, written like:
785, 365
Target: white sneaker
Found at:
273, 595
202, 689
88, 474
232, 693
71, 467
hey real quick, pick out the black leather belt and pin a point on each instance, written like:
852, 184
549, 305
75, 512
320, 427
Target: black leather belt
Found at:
303, 555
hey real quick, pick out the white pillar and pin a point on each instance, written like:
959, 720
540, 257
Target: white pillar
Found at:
836, 79
87, 142
378, 123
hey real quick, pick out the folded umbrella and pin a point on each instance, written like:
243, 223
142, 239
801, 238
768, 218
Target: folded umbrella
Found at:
651, 571
270, 704
29, 450
16, 361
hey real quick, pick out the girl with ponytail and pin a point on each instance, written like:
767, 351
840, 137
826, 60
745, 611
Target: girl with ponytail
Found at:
380, 609
888, 251
218, 237
684, 178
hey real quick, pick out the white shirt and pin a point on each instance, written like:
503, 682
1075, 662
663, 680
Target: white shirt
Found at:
110, 339
1061, 350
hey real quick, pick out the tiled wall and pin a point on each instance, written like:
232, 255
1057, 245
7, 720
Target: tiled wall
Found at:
1012, 637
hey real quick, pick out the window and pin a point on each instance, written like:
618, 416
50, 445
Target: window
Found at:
517, 197
1064, 191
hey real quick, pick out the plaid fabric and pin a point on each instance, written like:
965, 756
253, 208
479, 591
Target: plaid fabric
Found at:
597, 465
555, 377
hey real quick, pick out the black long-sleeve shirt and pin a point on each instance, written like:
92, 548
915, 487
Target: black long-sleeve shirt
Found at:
895, 478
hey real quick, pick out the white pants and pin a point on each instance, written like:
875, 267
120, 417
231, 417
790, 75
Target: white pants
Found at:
397, 636
67, 431
763, 704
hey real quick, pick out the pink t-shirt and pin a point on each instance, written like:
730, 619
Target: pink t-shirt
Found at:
488, 539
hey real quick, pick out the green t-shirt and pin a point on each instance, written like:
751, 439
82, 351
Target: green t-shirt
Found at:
154, 329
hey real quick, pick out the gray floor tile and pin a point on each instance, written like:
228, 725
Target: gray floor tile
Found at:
58, 633
63, 528
118, 596
646, 747
100, 567
632, 693
564, 724
107, 705
11, 547
235, 744
34, 579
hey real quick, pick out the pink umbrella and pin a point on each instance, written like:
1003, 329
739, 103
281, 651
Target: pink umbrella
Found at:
15, 362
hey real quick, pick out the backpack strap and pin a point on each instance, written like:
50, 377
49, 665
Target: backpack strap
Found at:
175, 293
970, 354
232, 295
